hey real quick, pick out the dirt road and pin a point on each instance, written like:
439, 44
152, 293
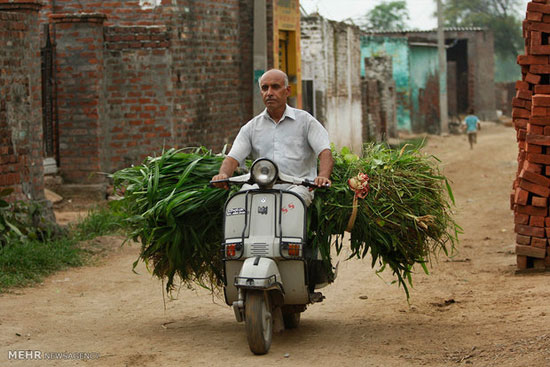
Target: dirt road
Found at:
471, 310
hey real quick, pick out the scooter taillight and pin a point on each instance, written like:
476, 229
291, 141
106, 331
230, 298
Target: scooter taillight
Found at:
230, 250
291, 250
233, 250
294, 249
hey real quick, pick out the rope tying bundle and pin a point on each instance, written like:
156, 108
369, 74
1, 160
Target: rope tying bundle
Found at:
360, 185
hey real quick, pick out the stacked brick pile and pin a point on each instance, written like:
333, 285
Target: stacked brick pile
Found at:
531, 115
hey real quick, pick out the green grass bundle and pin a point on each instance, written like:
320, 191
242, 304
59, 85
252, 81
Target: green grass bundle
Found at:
175, 215
402, 221
404, 218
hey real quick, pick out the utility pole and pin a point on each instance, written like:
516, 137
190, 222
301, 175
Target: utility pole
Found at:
443, 108
260, 52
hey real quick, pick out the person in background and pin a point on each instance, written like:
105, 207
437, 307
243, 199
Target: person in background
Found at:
471, 125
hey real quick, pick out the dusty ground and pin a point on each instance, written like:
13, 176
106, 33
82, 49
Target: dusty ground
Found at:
471, 310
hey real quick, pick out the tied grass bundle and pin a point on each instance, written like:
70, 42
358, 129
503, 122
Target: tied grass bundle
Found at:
175, 215
403, 220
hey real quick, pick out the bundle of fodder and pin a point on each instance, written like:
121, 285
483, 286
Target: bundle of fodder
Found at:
175, 215
394, 203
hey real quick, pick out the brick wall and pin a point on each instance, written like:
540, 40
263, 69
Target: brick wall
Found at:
21, 165
138, 95
79, 74
147, 77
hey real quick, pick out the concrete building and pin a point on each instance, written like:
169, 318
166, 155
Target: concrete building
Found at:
470, 73
331, 74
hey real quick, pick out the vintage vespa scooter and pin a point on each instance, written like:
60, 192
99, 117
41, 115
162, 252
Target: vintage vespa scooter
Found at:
270, 270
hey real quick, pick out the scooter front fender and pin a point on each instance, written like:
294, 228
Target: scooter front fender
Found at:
259, 273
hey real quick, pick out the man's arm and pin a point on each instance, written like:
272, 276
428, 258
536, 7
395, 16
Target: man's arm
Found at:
325, 168
229, 165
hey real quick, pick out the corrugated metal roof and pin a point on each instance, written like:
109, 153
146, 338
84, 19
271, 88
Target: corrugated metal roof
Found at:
450, 29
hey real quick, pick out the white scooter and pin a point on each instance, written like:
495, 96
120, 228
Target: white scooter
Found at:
270, 271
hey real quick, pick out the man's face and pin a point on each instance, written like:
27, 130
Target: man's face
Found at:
274, 92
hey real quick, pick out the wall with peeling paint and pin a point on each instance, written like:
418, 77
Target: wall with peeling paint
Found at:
424, 88
331, 58
398, 50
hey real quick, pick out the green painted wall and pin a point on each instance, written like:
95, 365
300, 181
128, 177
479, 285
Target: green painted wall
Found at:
398, 49
424, 87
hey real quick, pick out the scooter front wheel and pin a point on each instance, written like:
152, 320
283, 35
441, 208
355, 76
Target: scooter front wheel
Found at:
259, 323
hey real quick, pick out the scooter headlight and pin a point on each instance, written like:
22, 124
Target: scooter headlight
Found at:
264, 172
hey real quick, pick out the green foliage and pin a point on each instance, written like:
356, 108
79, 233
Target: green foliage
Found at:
387, 16
26, 257
175, 215
496, 15
403, 221
21, 220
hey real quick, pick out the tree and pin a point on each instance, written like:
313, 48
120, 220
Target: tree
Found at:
496, 15
389, 15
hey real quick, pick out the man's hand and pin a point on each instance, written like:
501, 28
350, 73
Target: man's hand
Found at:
321, 181
229, 165
220, 185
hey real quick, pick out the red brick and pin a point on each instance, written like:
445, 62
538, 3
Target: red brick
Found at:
538, 242
540, 50
530, 231
539, 69
532, 78
538, 120
538, 139
524, 85
539, 8
539, 158
524, 94
535, 129
531, 60
542, 99
539, 201
534, 188
534, 16
535, 221
531, 210
543, 88
523, 240
539, 111
547, 230
547, 171
520, 123
535, 178
532, 167
521, 262
522, 218
530, 251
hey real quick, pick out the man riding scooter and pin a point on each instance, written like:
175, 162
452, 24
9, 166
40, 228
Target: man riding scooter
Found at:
285, 144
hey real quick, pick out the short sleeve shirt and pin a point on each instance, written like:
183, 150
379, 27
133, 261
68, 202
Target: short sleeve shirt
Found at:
294, 143
471, 123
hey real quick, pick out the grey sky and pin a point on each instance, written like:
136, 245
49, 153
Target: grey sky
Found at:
420, 11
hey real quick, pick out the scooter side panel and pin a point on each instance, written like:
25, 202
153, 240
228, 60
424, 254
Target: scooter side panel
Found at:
232, 270
294, 282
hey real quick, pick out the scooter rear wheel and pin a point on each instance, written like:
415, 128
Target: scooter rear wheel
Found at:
259, 322
291, 320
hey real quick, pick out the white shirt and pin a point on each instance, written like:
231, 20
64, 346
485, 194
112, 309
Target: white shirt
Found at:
294, 143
